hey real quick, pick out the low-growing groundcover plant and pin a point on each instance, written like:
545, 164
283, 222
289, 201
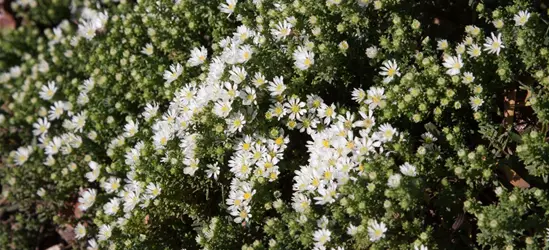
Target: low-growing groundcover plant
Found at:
275, 124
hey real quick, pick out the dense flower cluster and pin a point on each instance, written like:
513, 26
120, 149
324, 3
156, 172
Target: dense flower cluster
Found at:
337, 124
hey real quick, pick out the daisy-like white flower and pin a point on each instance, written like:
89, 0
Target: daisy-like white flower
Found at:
498, 23
111, 185
421, 247
56, 110
105, 232
386, 132
151, 109
521, 18
442, 44
376, 230
295, 107
80, 231
198, 56
153, 190
228, 7
453, 64
282, 30
371, 52
468, 78
375, 96
21, 155
476, 102
389, 70
236, 122
174, 73
352, 230
148, 49
112, 207
87, 199
493, 44
358, 95
131, 128
213, 171
95, 171
408, 169
460, 48
40, 127
41, 192
303, 58
394, 180
47, 91
92, 245
248, 96
277, 86
222, 108
322, 236
87, 30
237, 74
474, 50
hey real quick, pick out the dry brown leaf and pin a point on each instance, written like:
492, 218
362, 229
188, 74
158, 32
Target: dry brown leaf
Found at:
514, 178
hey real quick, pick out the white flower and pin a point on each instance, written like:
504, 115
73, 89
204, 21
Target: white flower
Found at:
148, 49
92, 245
80, 231
174, 72
213, 170
352, 230
322, 236
277, 86
237, 74
87, 30
105, 232
468, 78
303, 58
476, 102
386, 133
376, 230
474, 50
228, 7
95, 171
498, 23
236, 122
248, 96
87, 199
408, 169
295, 107
389, 70
151, 109
131, 129
198, 56
460, 48
371, 52
394, 180
222, 108
421, 247
521, 18
454, 64
41, 127
21, 155
112, 207
47, 91
56, 110
282, 30
493, 44
111, 185
41, 192
442, 44
153, 190
375, 96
